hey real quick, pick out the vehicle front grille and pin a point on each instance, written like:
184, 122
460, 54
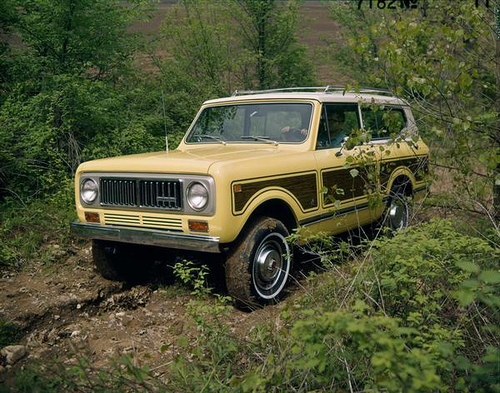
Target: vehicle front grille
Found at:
146, 193
118, 192
163, 194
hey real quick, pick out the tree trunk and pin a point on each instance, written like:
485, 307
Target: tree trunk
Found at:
261, 66
496, 186
264, 8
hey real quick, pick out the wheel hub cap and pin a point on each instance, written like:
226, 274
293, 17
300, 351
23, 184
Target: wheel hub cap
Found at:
268, 263
271, 266
397, 214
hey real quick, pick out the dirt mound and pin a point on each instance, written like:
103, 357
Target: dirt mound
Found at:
66, 310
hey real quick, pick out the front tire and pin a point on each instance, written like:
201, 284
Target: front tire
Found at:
112, 261
259, 266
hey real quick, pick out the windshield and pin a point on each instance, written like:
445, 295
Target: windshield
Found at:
261, 123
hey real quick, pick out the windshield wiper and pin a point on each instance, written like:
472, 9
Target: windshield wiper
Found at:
261, 138
215, 138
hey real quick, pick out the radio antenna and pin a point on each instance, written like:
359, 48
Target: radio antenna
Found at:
164, 119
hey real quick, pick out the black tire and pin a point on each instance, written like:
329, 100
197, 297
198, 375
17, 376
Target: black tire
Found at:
112, 261
399, 206
260, 264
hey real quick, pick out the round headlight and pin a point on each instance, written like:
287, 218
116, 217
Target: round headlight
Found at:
88, 191
197, 196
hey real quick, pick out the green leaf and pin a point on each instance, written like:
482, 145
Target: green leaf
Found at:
182, 342
462, 363
354, 172
490, 276
464, 297
468, 266
470, 284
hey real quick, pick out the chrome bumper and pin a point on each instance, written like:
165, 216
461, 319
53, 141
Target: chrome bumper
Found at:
151, 237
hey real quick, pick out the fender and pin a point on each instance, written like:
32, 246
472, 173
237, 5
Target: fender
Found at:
401, 171
265, 195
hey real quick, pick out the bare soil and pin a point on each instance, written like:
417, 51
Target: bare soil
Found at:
66, 311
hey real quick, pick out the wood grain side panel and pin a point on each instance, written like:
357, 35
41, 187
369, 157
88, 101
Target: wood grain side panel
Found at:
341, 185
419, 166
303, 187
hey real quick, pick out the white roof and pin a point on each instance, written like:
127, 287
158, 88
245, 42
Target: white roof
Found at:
334, 97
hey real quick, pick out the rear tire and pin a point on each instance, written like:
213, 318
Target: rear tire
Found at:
399, 206
259, 266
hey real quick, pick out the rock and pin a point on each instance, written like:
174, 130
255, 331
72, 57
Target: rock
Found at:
13, 353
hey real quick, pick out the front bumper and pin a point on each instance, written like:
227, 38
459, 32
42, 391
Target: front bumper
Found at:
151, 237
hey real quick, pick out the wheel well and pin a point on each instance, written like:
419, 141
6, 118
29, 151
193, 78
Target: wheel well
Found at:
405, 181
278, 209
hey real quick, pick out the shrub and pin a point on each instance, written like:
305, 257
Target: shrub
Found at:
420, 313
27, 226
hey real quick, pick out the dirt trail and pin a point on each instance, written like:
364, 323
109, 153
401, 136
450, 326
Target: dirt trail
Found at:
67, 310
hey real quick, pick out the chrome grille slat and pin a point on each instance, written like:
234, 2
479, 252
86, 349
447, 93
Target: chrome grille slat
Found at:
146, 193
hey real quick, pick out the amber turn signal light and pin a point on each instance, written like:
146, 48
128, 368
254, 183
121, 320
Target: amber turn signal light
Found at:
92, 217
198, 226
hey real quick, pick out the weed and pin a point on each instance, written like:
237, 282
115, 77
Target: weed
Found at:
26, 227
9, 333
193, 276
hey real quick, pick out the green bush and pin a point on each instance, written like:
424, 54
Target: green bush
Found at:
419, 313
26, 229
417, 271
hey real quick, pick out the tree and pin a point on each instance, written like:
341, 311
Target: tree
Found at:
269, 33
236, 43
78, 37
201, 44
443, 60
496, 187
64, 86
354, 45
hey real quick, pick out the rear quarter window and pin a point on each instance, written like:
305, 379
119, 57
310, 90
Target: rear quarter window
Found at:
384, 122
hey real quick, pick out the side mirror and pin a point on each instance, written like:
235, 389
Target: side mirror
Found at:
342, 146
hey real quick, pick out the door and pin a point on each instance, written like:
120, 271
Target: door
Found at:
385, 125
344, 170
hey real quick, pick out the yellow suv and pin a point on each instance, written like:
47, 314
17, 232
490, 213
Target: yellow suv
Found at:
251, 169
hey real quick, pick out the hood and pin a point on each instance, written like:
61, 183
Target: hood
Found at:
194, 160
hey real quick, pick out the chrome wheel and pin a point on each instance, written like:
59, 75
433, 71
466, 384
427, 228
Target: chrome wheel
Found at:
398, 212
271, 266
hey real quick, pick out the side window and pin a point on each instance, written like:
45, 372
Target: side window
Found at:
384, 123
337, 122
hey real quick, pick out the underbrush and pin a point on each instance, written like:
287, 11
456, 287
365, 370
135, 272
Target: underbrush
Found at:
415, 312
419, 311
9, 333
28, 228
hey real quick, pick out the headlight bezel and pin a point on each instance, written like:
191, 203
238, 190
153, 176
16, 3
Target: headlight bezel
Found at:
189, 196
88, 201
